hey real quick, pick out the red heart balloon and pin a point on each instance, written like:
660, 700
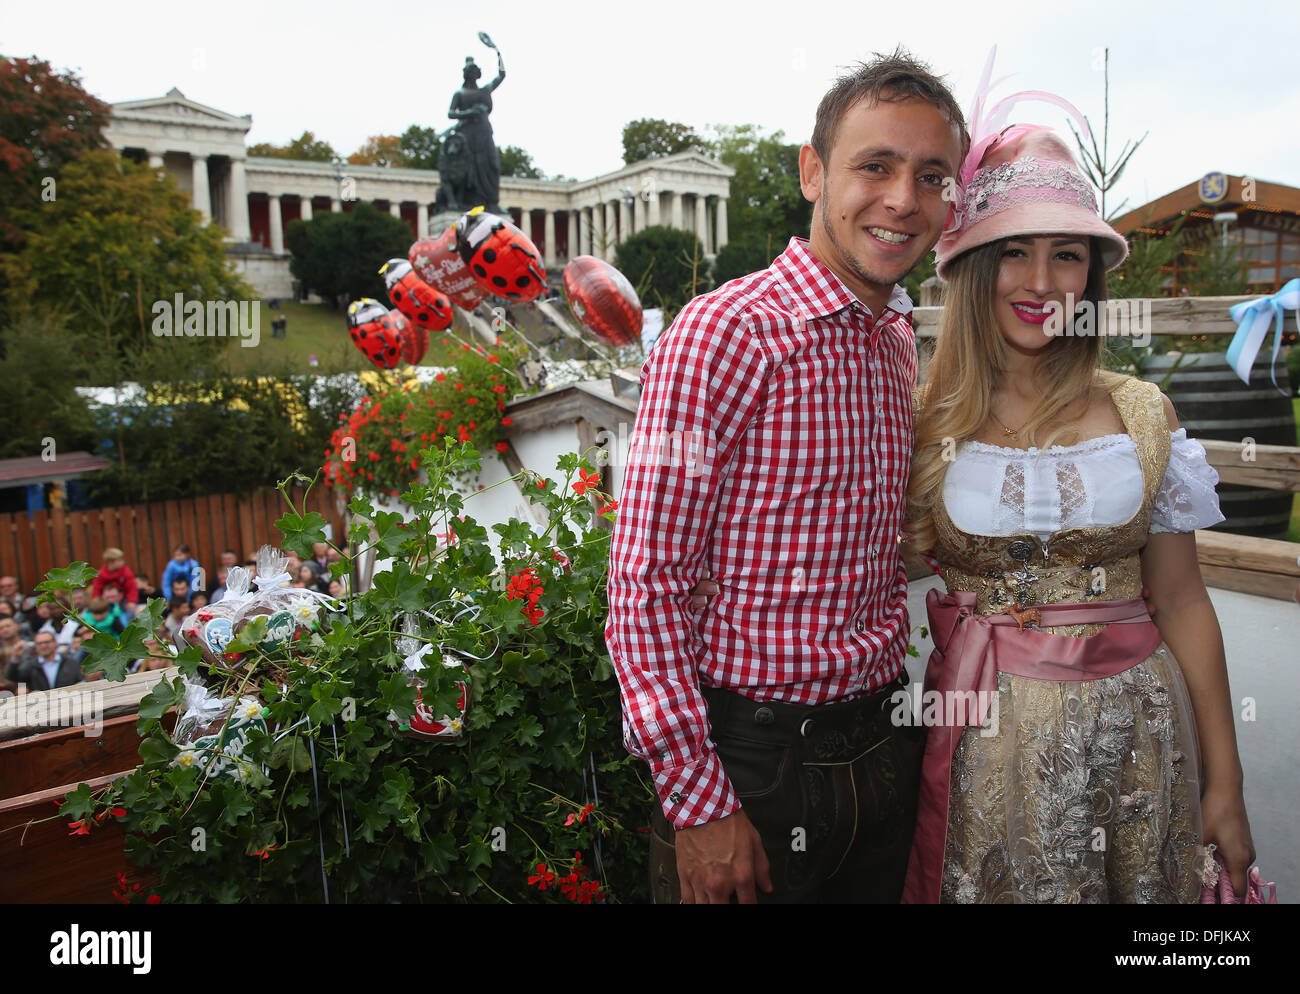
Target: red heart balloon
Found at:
437, 262
602, 299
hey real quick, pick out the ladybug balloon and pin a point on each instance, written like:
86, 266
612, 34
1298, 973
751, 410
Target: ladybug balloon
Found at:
421, 303
437, 263
502, 258
375, 332
602, 299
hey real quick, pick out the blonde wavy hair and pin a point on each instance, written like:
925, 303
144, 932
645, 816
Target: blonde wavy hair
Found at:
969, 359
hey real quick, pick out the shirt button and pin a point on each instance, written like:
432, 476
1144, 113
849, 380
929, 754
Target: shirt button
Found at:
861, 626
675, 797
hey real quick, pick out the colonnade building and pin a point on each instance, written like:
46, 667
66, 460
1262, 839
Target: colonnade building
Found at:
254, 199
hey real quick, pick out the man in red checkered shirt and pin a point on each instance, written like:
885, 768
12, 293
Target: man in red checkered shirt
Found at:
771, 451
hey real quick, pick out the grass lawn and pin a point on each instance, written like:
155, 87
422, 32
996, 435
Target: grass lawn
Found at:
314, 329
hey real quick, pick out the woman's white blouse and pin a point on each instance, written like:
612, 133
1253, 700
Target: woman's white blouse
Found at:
992, 490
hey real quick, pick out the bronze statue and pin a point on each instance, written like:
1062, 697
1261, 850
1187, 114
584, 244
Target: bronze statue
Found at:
468, 165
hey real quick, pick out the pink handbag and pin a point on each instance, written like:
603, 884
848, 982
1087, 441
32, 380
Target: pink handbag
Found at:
1217, 885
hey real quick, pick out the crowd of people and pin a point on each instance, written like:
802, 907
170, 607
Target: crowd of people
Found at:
42, 644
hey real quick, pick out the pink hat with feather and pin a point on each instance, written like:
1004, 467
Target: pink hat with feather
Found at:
1019, 181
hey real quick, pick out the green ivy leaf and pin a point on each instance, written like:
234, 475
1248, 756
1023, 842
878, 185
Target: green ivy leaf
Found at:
399, 590
77, 803
390, 533
301, 532
250, 636
164, 696
157, 750
527, 729
300, 755
115, 655
73, 577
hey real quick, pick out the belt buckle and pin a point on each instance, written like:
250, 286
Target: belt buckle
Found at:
1024, 616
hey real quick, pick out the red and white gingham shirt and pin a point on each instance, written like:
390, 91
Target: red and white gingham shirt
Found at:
793, 501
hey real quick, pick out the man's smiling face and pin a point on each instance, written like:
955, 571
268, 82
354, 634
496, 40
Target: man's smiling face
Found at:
879, 199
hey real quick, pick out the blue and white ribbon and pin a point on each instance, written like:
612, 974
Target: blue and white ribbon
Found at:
1254, 318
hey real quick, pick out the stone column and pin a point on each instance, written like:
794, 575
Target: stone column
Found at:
624, 220
654, 206
575, 246
588, 231
722, 222
611, 232
336, 205
155, 160
548, 250
395, 208
421, 219
676, 219
638, 214
702, 222
277, 225
201, 196
237, 202
304, 211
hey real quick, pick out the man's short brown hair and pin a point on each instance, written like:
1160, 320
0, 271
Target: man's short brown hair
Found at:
891, 78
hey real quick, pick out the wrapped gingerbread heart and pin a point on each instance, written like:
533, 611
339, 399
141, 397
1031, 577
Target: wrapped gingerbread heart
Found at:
213, 731
212, 627
424, 724
289, 611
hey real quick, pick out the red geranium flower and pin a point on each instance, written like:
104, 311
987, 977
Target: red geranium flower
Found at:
545, 878
587, 480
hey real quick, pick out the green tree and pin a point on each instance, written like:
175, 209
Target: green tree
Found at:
1144, 271
305, 147
740, 258
766, 206
1216, 269
921, 272
43, 357
219, 435
517, 162
421, 147
118, 239
666, 266
338, 255
652, 138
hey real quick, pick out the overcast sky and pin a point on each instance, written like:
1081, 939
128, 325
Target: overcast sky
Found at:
1214, 84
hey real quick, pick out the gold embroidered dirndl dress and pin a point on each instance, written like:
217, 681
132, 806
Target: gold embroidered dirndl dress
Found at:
1089, 792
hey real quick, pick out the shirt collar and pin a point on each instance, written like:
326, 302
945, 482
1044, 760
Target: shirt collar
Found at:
819, 290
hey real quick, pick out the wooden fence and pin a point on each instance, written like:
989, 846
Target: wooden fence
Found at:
32, 542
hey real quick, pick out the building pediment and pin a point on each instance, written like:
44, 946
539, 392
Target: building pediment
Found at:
176, 108
691, 162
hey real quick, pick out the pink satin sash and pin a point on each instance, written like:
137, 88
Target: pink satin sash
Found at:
969, 651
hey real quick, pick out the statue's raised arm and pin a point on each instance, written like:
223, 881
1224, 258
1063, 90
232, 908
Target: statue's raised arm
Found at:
501, 74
